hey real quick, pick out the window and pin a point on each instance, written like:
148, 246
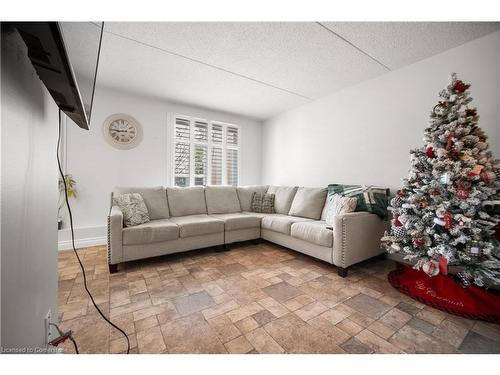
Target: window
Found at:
205, 152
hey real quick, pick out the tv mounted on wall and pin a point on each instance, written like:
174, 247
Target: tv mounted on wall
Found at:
51, 48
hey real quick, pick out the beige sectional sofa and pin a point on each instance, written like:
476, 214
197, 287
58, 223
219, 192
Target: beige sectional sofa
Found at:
197, 217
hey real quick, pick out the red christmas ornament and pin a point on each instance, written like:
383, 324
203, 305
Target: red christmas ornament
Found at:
448, 220
418, 242
459, 86
397, 223
443, 266
429, 152
488, 176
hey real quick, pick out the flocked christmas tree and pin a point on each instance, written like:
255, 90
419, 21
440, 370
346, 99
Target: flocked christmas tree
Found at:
445, 214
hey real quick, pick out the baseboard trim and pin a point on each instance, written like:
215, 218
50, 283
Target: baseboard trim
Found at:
84, 242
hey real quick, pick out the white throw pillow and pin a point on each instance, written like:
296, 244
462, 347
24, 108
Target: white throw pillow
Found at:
337, 204
133, 208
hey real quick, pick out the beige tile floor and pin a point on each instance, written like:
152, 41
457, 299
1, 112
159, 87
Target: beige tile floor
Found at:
254, 299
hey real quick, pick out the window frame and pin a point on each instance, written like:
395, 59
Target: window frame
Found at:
224, 146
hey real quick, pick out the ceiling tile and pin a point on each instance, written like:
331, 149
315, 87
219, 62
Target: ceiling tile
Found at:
130, 66
397, 44
301, 57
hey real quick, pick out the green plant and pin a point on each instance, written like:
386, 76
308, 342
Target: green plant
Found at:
70, 189
70, 186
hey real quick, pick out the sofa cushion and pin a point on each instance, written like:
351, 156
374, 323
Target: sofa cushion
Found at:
370, 198
186, 201
196, 225
133, 209
308, 202
339, 205
316, 232
222, 199
256, 214
262, 203
280, 223
283, 197
153, 231
155, 199
237, 221
245, 195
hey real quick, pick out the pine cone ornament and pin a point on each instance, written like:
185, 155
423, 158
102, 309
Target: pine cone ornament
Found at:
463, 279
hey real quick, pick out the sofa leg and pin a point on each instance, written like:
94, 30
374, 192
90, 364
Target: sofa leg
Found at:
113, 268
342, 272
219, 248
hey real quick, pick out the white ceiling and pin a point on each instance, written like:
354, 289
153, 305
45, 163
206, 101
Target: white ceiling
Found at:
264, 68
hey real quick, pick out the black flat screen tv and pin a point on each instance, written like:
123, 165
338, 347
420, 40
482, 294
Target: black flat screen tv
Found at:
51, 46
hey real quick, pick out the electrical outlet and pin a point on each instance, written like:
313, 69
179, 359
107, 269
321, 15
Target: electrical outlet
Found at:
48, 330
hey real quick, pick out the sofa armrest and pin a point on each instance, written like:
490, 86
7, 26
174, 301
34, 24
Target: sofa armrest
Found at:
356, 237
115, 227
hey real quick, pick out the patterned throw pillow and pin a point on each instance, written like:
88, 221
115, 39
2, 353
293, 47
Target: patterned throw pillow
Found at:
370, 198
263, 203
133, 208
337, 204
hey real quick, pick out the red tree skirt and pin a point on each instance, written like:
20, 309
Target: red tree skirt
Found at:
444, 293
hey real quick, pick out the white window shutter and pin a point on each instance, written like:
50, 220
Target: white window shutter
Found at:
232, 167
216, 166
205, 152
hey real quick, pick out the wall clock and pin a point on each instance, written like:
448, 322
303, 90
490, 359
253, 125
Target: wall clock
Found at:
122, 131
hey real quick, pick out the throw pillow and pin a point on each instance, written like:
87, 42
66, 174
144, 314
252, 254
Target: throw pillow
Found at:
339, 205
263, 203
370, 198
133, 208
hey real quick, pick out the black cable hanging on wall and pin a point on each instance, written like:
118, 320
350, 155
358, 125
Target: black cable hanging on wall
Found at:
69, 207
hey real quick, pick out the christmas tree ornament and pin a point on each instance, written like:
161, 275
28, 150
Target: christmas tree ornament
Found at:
467, 158
434, 192
463, 279
418, 242
431, 268
397, 201
430, 152
399, 232
445, 178
460, 87
476, 170
471, 112
448, 220
488, 176
463, 189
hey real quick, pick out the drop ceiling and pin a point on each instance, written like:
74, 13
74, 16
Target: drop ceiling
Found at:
260, 69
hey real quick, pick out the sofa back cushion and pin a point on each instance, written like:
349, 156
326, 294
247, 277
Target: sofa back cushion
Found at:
222, 200
245, 195
283, 197
155, 199
186, 201
308, 202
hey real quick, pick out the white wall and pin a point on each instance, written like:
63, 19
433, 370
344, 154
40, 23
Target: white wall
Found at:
28, 200
98, 167
363, 134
